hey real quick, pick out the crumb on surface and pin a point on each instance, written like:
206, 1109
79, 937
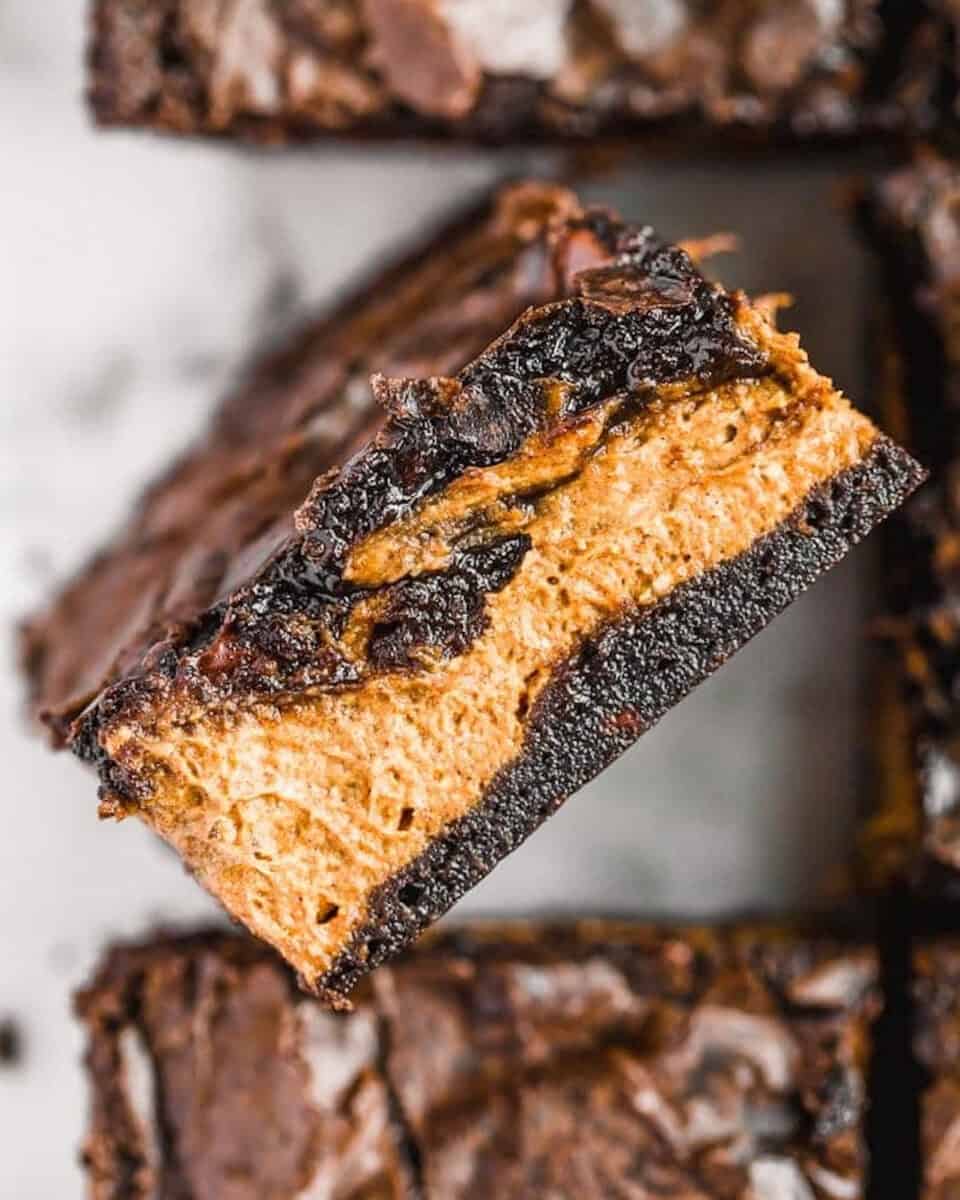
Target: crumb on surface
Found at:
11, 1042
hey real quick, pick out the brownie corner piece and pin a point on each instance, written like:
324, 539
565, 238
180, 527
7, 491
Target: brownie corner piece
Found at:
936, 1044
210, 1075
387, 632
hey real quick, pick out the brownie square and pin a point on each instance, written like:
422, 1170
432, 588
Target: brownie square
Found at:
600, 1060
739, 71
576, 1060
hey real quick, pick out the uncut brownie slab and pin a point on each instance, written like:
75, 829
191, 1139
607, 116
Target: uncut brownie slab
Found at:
589, 1060
936, 1043
914, 220
372, 697
495, 70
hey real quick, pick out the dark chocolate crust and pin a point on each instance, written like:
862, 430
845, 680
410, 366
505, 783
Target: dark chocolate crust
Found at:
617, 686
295, 70
493, 1029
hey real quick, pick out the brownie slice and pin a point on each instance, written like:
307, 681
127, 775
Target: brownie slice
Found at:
516, 1060
914, 219
351, 710
493, 70
937, 1048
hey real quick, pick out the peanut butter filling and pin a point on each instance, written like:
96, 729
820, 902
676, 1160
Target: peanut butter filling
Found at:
292, 814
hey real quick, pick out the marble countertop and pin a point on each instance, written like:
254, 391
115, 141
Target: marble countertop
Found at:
136, 275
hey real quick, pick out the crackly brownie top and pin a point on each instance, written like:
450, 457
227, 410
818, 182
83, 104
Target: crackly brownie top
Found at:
937, 1047
915, 216
213, 1077
605, 1061
279, 68
581, 1060
629, 315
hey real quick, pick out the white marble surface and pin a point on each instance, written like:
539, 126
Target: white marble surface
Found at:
134, 274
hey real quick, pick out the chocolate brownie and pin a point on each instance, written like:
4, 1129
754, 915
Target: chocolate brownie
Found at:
587, 1060
496, 70
213, 1077
937, 1048
344, 713
914, 218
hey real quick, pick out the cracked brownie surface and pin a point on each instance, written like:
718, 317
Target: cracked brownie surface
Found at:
595, 1059
913, 220
278, 70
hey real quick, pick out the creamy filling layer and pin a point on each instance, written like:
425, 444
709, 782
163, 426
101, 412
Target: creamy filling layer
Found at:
293, 814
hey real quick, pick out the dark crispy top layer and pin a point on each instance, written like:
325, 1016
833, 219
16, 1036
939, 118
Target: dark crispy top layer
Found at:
580, 1061
280, 69
915, 216
630, 314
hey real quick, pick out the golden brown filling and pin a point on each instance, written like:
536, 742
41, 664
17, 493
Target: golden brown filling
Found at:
292, 815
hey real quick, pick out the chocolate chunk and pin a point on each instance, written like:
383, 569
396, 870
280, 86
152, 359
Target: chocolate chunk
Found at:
421, 60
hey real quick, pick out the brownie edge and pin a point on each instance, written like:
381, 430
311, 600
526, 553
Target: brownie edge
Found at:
936, 1044
364, 708
748, 72
912, 218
